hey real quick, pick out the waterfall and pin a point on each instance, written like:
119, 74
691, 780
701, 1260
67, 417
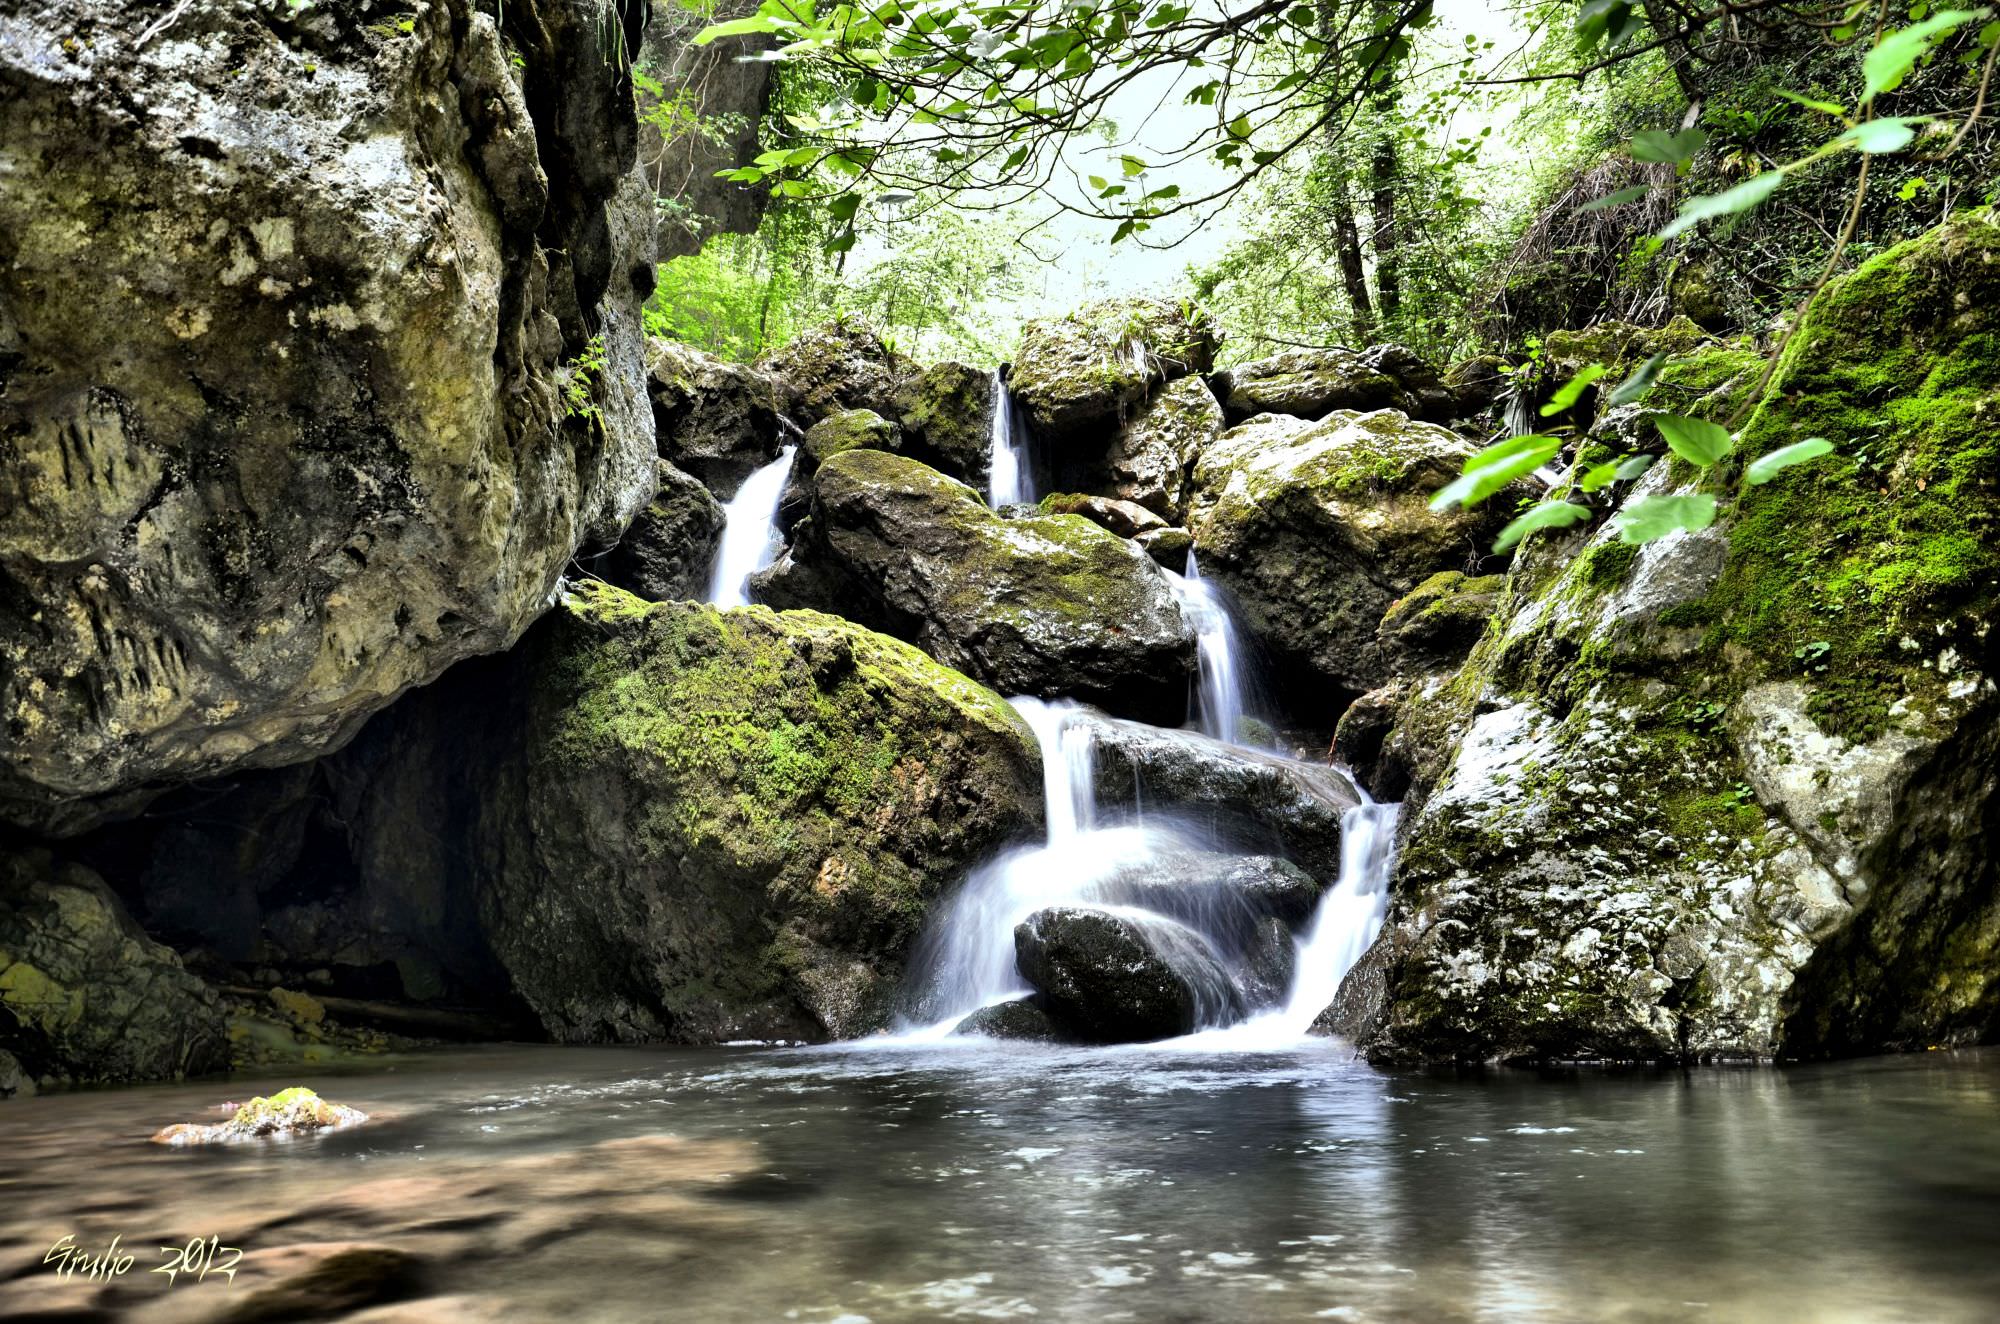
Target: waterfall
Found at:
1219, 654
750, 538
1009, 481
1349, 916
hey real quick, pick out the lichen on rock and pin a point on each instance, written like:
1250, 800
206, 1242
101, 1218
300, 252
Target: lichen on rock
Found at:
290, 1114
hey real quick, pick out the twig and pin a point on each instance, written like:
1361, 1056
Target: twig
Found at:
160, 25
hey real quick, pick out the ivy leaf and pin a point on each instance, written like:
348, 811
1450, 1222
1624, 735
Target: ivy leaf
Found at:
1766, 467
1572, 390
1708, 206
1659, 145
1654, 517
1885, 67
1485, 475
1548, 515
1695, 440
1891, 133
1618, 199
1634, 388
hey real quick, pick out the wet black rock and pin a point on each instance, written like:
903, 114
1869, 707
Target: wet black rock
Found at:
1114, 978
1022, 1018
668, 551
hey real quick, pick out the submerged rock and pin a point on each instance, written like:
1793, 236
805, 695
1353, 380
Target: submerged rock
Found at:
323, 359
1080, 375
1023, 1018
1733, 794
668, 551
1316, 528
1045, 605
732, 825
287, 1115
1119, 978
717, 420
85, 996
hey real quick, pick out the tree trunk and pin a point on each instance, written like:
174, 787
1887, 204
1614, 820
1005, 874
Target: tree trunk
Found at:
1388, 257
1347, 246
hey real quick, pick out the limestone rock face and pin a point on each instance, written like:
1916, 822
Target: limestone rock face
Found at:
667, 552
1152, 461
355, 371
1315, 528
1308, 383
841, 365
732, 824
1047, 605
1114, 978
1735, 793
946, 413
1075, 378
699, 116
716, 420
85, 996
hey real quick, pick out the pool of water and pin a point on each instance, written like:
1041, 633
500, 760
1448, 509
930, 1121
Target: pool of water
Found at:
978, 1181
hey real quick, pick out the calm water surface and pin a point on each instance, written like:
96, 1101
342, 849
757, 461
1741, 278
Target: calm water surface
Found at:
973, 1181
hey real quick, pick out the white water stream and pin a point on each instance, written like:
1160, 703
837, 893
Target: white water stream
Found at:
1009, 480
750, 539
1219, 652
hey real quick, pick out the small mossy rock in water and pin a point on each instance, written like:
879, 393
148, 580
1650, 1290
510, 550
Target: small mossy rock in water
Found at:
946, 413
1254, 801
1115, 978
1309, 383
733, 824
1316, 528
356, 370
1049, 605
1023, 1019
287, 1115
1435, 624
1121, 517
1076, 378
1151, 461
85, 996
14, 1078
838, 365
1737, 793
668, 550
716, 420
1169, 547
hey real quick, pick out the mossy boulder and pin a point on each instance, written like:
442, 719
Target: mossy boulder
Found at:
843, 364
290, 1114
732, 825
1107, 977
1734, 793
1049, 605
85, 996
668, 550
1309, 383
946, 413
1316, 528
845, 430
1150, 462
1123, 518
316, 380
1075, 378
1435, 624
714, 419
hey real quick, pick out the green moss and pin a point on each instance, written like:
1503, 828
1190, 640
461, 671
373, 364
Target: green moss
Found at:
1608, 564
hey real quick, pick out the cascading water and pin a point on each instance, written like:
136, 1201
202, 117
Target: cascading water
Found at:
1219, 653
1009, 480
750, 538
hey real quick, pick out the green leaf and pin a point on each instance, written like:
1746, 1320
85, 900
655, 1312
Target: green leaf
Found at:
1618, 199
1632, 466
1823, 107
1634, 388
1654, 517
1891, 133
1572, 390
1487, 456
1480, 481
1695, 440
1727, 203
1599, 476
1548, 515
1132, 165
1885, 67
843, 207
735, 27
1659, 145
1766, 467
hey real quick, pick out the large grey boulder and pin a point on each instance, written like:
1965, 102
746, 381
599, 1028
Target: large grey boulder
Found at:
716, 420
839, 365
1076, 378
322, 359
1316, 528
1151, 461
1119, 978
85, 996
1048, 605
946, 416
670, 548
1309, 383
700, 110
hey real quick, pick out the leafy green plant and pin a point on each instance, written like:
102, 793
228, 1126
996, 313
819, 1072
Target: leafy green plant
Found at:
580, 377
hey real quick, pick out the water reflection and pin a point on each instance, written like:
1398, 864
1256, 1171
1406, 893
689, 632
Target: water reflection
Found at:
966, 1180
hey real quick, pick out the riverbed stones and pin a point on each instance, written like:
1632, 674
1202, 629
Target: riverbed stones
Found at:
1047, 605
669, 548
85, 996
1077, 378
289, 1114
1117, 978
716, 420
1315, 528
298, 413
733, 825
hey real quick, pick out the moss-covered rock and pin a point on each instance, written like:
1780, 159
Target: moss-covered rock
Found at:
711, 418
733, 824
1734, 793
946, 413
669, 548
1150, 462
1123, 518
1308, 383
1074, 375
85, 996
290, 1114
1315, 528
1047, 605
843, 364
